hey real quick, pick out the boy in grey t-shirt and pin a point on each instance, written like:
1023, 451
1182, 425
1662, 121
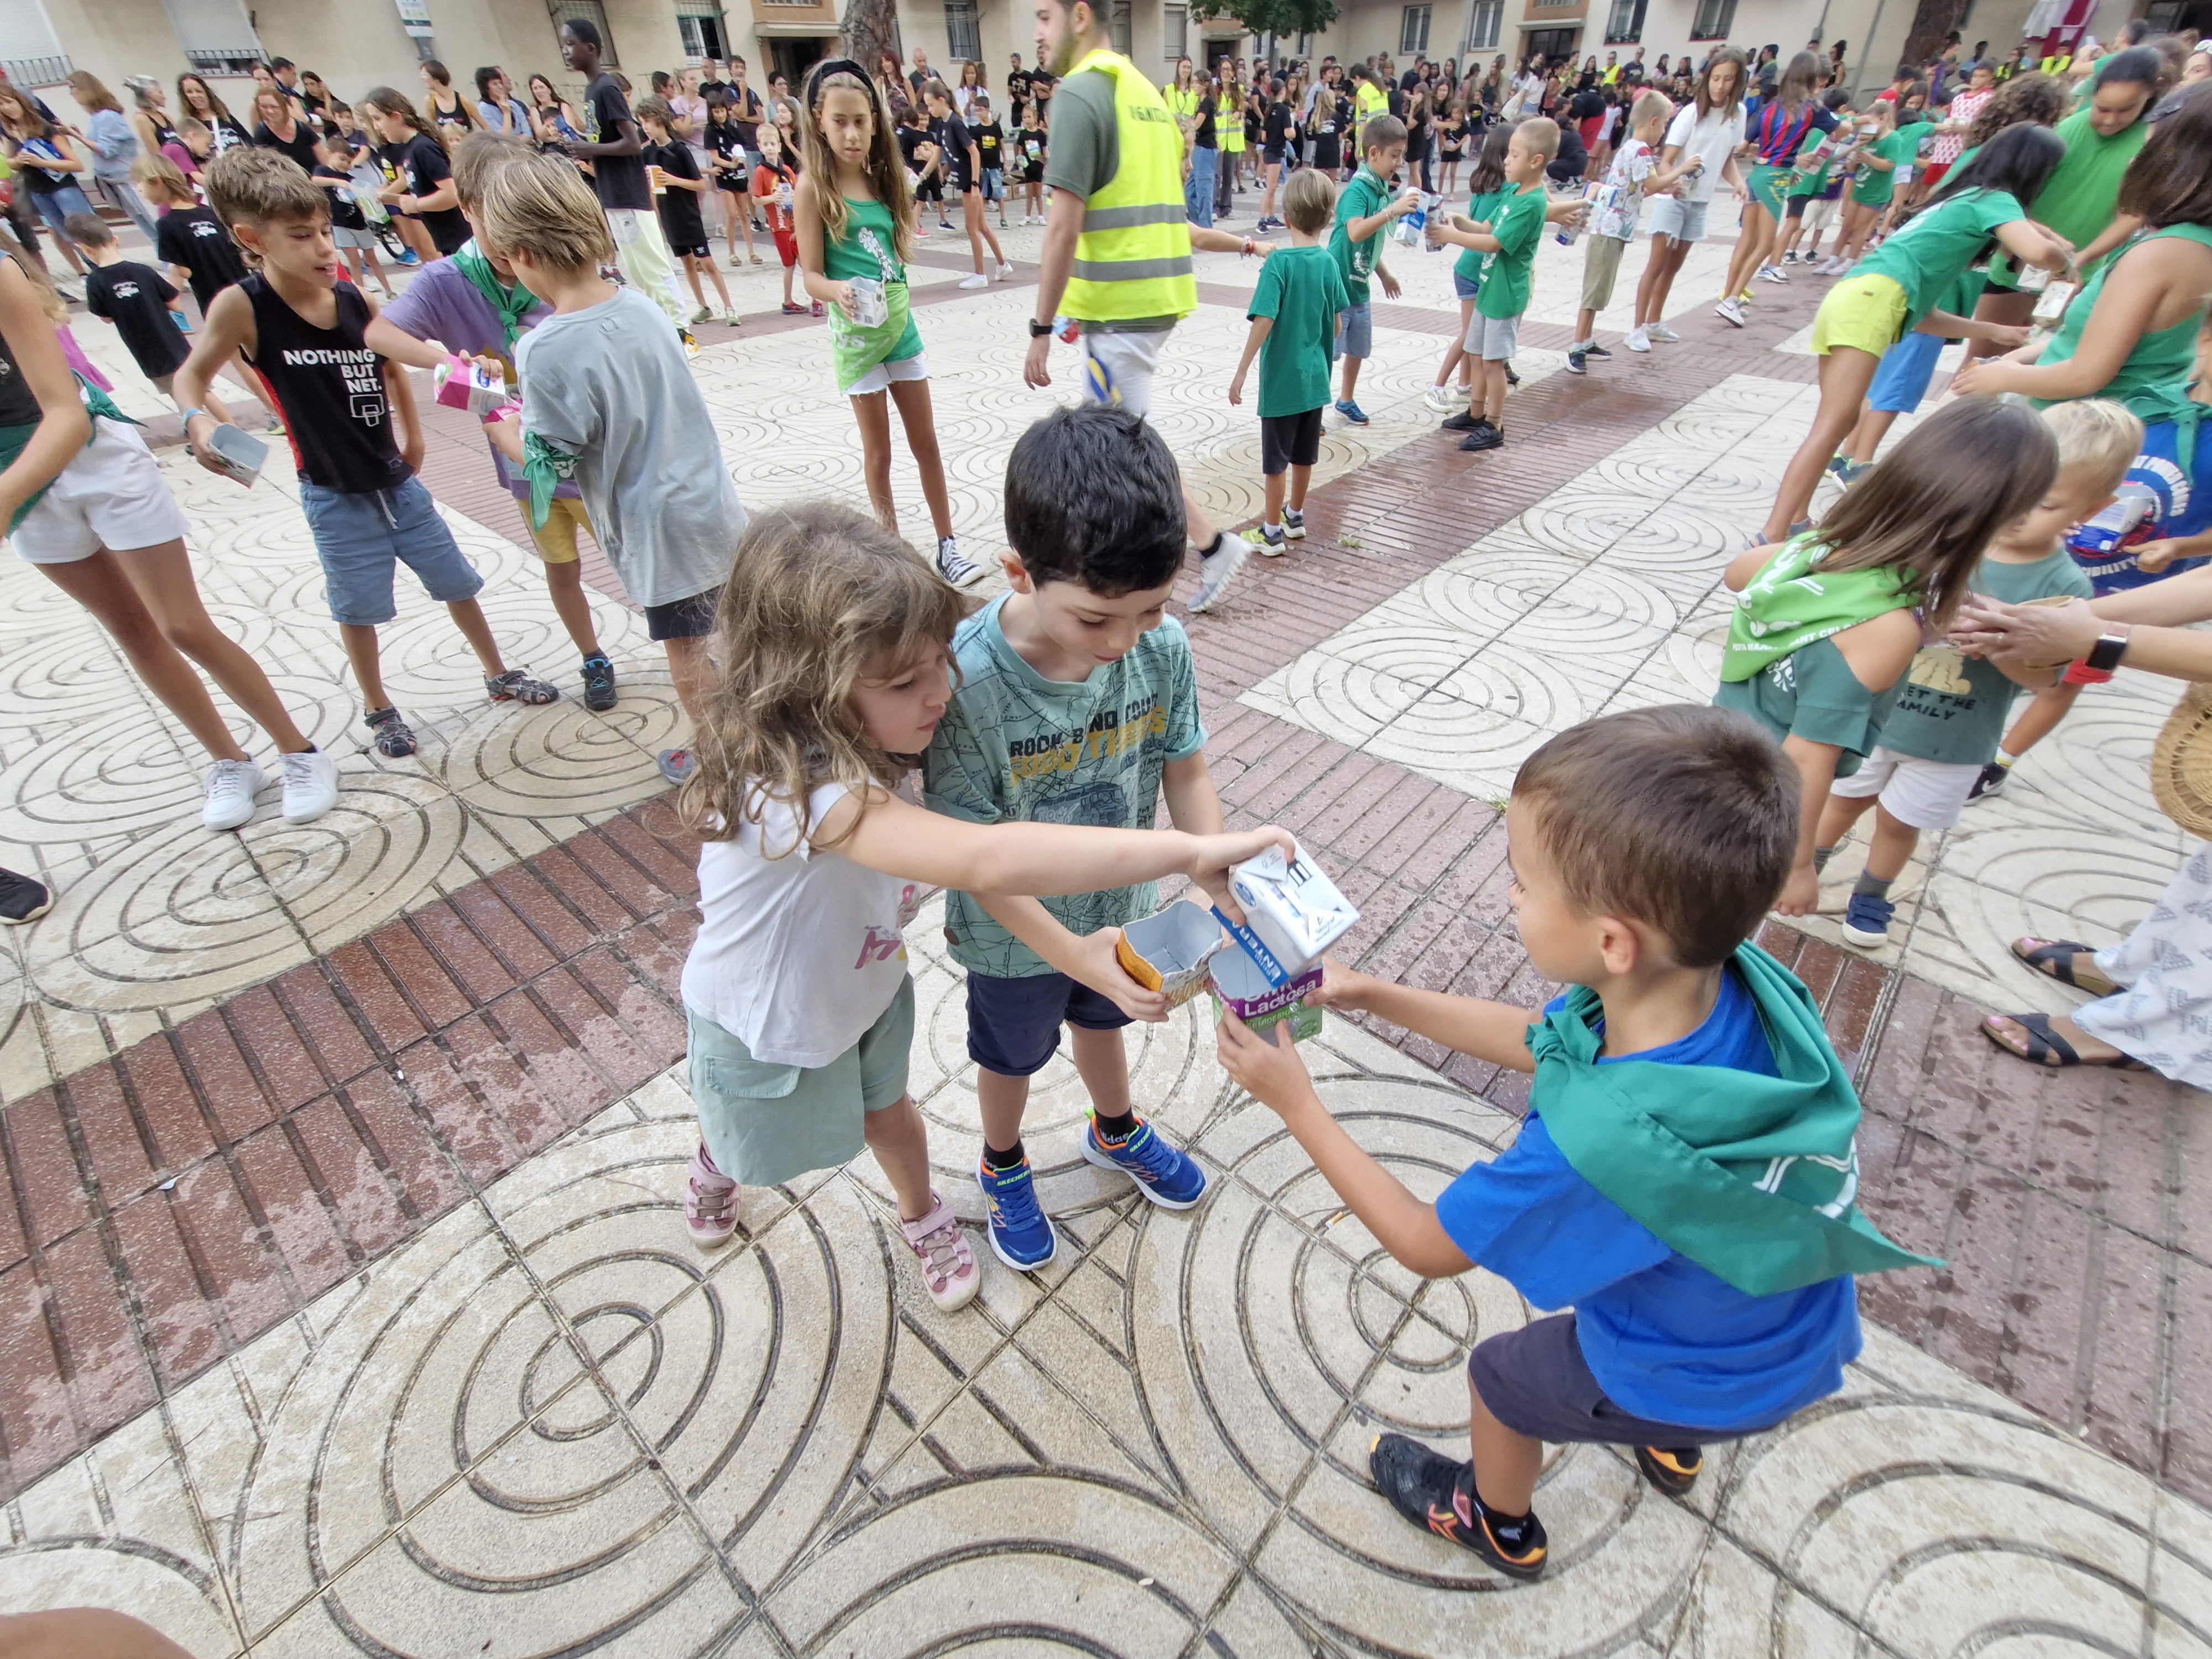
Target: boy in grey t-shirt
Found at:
608, 399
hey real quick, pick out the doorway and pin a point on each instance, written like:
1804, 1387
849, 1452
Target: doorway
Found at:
1558, 45
792, 56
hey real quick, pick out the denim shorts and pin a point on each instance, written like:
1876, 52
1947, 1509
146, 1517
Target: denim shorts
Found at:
1013, 1025
1465, 288
1355, 332
361, 536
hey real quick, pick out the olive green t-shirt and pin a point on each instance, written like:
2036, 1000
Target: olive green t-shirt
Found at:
1813, 693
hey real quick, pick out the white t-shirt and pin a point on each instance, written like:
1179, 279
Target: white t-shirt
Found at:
797, 956
1714, 139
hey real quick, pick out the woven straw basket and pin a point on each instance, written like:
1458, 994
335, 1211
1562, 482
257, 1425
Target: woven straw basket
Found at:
2181, 762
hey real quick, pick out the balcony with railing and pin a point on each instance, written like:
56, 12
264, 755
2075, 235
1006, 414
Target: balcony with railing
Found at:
38, 71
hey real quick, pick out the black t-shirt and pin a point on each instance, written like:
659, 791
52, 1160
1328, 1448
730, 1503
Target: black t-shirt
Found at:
329, 386
38, 180
1018, 87
1203, 135
726, 142
194, 239
680, 219
19, 404
990, 145
1328, 148
951, 135
300, 149
1589, 105
746, 111
1277, 131
137, 301
421, 162
1032, 168
909, 140
345, 212
619, 179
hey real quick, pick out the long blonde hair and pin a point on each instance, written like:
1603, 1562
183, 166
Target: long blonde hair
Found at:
818, 596
885, 167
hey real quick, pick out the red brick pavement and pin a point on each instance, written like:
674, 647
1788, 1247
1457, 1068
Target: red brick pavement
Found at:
167, 1206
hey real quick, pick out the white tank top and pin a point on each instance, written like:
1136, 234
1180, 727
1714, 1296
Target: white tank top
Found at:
796, 955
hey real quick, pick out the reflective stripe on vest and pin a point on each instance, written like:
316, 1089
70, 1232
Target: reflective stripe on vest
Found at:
1133, 259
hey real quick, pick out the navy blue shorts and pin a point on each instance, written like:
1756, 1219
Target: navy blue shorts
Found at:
1537, 1383
1013, 1025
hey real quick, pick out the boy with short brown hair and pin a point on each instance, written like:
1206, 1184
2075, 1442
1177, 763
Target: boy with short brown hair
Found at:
1685, 1177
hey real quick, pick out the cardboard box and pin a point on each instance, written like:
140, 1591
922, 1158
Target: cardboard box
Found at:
1239, 984
1168, 953
240, 453
1291, 909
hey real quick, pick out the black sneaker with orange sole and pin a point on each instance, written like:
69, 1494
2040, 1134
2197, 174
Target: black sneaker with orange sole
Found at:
1433, 1491
1671, 1469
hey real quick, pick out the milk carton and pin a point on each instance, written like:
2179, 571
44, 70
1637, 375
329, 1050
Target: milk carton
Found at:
1168, 953
240, 452
1292, 912
870, 309
461, 383
1240, 985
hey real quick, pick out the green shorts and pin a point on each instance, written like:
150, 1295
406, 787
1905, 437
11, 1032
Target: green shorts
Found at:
1766, 186
1867, 313
766, 1124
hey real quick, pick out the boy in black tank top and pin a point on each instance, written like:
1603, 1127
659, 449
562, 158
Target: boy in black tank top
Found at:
301, 327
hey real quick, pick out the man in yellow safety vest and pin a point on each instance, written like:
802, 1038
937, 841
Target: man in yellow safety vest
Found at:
1117, 244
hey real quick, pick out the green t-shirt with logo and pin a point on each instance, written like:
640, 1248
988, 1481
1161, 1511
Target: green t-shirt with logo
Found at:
1362, 199
1300, 289
1016, 747
1516, 220
1938, 246
1952, 708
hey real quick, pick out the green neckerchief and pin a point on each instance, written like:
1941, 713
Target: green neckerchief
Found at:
547, 469
1790, 604
1754, 1178
13, 439
513, 302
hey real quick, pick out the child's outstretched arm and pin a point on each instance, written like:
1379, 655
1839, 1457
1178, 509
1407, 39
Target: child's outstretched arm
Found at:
1275, 1074
1494, 1031
1252, 341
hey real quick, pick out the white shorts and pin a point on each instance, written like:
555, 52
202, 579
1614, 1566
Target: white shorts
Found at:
1492, 339
1118, 368
111, 495
1683, 221
1925, 794
1819, 212
879, 378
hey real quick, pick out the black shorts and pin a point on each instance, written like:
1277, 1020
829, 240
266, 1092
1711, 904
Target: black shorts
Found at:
682, 619
1536, 1382
1013, 1025
734, 183
1289, 440
692, 251
929, 189
1793, 207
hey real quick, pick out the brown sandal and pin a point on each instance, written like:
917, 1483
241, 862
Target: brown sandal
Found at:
2054, 959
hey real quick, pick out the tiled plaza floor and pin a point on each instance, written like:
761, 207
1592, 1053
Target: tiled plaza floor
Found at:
346, 1301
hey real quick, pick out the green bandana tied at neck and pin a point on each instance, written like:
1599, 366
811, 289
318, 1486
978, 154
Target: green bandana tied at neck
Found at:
546, 469
1792, 603
1752, 1177
512, 302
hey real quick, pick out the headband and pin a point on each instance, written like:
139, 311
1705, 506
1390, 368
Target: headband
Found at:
827, 67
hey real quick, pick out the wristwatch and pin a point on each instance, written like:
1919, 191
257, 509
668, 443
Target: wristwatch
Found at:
2103, 657
1037, 330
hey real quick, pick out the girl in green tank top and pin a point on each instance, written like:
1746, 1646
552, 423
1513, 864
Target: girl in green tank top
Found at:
853, 216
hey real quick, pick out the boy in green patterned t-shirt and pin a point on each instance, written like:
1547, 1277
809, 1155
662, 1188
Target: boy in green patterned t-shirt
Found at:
1506, 228
1077, 702
1365, 210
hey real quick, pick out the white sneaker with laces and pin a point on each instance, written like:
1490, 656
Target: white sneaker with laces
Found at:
1660, 334
1005, 273
955, 569
311, 786
1639, 339
949, 1272
1438, 400
1731, 311
979, 280
231, 787
1217, 570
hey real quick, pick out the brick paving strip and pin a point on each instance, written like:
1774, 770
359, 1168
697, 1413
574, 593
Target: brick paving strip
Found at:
171, 1204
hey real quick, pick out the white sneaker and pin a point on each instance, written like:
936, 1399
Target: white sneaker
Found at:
1660, 334
955, 569
1005, 273
1639, 339
1731, 311
231, 787
979, 280
1217, 570
1438, 399
311, 786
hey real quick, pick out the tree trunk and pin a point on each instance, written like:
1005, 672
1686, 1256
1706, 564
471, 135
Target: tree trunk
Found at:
1931, 21
870, 26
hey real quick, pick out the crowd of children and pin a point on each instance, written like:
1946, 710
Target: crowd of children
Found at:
1689, 1125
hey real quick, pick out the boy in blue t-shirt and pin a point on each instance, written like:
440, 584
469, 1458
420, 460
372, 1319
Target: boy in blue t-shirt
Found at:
1077, 702
1685, 1176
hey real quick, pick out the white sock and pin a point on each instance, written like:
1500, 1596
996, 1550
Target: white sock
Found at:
2006, 760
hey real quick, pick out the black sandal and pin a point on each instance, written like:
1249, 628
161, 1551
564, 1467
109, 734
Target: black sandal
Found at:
2054, 959
515, 686
2046, 1048
393, 738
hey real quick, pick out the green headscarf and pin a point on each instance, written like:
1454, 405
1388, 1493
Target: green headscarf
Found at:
1754, 1178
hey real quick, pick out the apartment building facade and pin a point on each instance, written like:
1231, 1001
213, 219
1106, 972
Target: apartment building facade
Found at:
357, 44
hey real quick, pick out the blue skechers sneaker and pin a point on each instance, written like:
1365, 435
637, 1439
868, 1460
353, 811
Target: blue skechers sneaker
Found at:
1866, 920
1350, 412
1021, 1237
1164, 1173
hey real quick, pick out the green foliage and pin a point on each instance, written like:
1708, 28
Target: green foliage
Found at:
1280, 18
